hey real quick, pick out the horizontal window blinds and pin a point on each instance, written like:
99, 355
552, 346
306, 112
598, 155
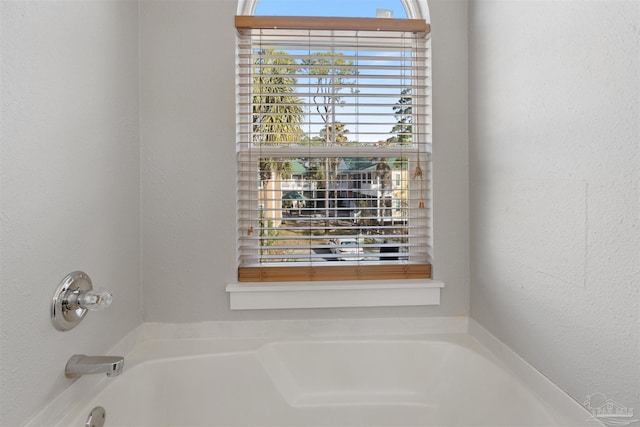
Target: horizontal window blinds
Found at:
333, 148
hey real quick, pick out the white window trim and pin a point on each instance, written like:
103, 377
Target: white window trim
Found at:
378, 293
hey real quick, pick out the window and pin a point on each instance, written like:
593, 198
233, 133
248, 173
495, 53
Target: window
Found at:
333, 145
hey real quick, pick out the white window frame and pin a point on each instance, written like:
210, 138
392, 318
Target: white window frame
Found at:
331, 294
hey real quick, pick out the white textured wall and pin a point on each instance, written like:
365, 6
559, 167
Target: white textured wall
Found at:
555, 212
188, 163
69, 176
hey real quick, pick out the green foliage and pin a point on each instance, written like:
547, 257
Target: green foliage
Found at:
277, 111
404, 128
316, 172
337, 133
266, 232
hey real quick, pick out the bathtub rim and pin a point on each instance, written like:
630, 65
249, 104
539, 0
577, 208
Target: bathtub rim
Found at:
260, 332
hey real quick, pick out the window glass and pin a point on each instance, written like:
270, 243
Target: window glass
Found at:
334, 144
342, 8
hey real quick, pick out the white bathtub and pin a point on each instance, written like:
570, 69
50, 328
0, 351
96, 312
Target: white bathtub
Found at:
388, 380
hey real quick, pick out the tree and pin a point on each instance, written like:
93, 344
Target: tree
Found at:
277, 111
404, 127
271, 167
384, 173
331, 72
336, 132
277, 114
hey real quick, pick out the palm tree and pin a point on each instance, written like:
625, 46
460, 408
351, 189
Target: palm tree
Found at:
277, 114
277, 111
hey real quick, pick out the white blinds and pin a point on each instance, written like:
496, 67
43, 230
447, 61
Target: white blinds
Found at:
333, 143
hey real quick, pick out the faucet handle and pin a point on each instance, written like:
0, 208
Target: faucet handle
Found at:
95, 300
73, 298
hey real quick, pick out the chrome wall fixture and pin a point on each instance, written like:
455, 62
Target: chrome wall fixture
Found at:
81, 364
97, 417
73, 298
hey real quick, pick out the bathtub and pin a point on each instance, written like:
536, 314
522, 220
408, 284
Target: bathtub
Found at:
315, 379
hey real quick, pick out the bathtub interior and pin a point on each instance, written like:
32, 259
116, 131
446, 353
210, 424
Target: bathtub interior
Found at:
424, 380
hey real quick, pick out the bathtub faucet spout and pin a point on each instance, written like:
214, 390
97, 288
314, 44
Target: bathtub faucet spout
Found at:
80, 364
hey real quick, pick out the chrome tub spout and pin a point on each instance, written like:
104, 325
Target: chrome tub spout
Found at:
80, 364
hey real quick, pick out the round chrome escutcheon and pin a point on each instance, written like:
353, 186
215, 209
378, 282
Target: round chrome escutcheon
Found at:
65, 312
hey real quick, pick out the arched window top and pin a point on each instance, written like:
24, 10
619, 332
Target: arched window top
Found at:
412, 9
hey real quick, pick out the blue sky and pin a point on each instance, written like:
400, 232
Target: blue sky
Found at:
350, 8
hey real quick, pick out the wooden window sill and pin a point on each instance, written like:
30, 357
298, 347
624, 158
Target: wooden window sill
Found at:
369, 271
